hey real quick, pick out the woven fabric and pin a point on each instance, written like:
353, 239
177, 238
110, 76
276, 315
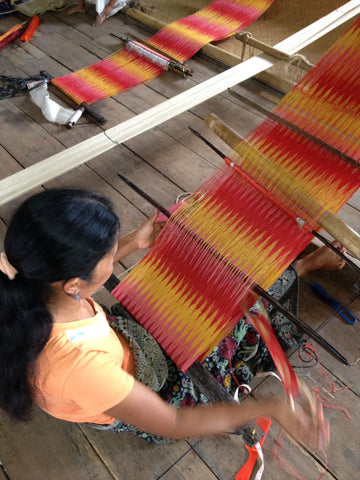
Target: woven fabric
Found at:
194, 285
181, 40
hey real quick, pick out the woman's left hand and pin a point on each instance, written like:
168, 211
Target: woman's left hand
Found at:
147, 233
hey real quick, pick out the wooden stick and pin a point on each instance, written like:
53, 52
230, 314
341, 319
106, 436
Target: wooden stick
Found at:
45, 170
336, 227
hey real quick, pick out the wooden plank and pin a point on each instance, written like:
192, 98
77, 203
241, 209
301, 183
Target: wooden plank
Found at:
346, 337
2, 234
179, 164
141, 173
45, 448
189, 467
32, 143
129, 457
224, 455
338, 283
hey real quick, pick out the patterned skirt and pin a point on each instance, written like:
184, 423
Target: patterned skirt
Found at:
241, 354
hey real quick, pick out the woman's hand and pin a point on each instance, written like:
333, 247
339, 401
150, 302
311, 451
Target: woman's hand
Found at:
107, 10
304, 424
143, 237
148, 232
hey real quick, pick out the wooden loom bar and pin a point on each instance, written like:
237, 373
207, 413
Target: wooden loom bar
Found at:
45, 170
247, 39
330, 222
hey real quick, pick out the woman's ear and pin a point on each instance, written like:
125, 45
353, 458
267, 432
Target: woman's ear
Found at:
73, 286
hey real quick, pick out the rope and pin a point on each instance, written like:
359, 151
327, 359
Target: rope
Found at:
16, 85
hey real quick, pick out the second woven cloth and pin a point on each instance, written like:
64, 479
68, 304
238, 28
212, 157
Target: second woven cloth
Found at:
180, 40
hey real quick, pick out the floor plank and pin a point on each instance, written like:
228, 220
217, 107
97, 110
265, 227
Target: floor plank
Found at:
129, 457
46, 448
187, 468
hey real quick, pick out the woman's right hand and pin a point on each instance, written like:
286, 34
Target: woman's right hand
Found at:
305, 424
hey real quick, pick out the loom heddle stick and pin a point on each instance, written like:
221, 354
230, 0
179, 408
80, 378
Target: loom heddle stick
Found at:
330, 222
255, 287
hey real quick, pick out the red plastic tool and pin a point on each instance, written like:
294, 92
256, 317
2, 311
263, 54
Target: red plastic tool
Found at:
245, 472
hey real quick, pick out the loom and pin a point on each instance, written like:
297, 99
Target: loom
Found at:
179, 41
195, 283
55, 165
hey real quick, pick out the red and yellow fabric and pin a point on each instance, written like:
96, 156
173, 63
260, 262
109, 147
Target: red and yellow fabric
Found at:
180, 40
193, 286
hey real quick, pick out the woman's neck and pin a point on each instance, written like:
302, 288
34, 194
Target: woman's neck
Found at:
68, 309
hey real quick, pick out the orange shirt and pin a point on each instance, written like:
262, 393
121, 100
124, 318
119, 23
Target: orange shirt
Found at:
83, 370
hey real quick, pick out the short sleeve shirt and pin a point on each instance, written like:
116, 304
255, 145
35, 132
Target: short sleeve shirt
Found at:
81, 372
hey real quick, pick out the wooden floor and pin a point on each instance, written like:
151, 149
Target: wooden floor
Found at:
166, 161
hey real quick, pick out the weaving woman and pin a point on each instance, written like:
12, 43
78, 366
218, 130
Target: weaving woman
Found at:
59, 352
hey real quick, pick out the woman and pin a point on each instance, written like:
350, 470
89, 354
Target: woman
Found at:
57, 347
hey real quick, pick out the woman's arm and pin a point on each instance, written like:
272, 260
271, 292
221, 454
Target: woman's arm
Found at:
144, 409
141, 238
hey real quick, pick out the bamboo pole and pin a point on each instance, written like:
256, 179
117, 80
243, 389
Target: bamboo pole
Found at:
331, 223
45, 170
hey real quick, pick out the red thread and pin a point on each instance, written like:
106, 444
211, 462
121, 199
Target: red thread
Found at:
309, 349
278, 443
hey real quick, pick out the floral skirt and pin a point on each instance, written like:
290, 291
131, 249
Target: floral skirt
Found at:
241, 354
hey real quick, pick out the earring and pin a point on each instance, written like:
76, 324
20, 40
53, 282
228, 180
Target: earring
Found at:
76, 295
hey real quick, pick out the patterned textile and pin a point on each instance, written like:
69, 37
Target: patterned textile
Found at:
243, 347
180, 40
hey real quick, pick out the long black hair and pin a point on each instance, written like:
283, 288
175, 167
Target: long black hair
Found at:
54, 236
